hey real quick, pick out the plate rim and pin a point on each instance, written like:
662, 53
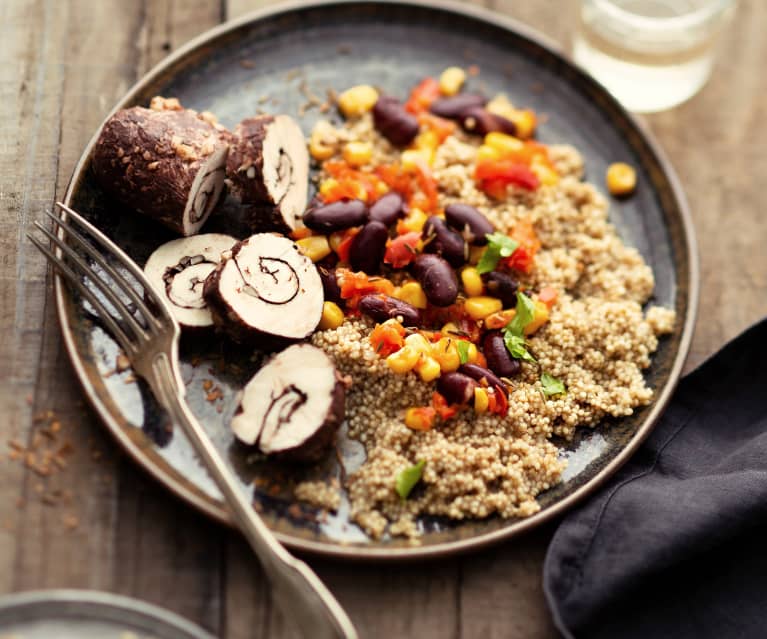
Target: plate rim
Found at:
340, 550
101, 600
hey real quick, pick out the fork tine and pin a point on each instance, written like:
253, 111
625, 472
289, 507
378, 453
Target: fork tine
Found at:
103, 286
116, 330
126, 261
119, 279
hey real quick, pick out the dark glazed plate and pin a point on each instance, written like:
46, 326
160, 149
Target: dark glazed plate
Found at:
273, 60
87, 614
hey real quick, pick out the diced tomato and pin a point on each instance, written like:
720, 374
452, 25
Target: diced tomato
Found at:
444, 410
300, 233
497, 402
387, 338
396, 178
352, 183
495, 188
355, 285
421, 97
420, 418
442, 127
481, 360
428, 186
523, 257
500, 319
494, 173
345, 246
548, 295
402, 249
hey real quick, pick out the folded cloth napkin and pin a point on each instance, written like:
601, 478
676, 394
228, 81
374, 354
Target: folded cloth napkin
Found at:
676, 544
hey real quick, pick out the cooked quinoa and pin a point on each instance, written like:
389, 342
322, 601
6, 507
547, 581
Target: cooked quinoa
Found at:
597, 341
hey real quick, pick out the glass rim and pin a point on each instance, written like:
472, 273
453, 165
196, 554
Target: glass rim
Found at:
694, 18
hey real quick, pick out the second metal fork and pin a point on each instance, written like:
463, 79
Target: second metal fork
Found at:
148, 333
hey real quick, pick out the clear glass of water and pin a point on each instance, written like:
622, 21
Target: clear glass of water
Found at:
650, 54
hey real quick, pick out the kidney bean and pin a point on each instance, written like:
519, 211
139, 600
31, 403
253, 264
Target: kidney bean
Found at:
478, 373
382, 307
456, 388
502, 286
442, 240
368, 247
498, 358
337, 216
454, 107
329, 284
480, 121
437, 278
469, 222
388, 208
394, 122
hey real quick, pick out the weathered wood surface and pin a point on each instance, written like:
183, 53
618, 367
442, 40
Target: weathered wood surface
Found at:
63, 65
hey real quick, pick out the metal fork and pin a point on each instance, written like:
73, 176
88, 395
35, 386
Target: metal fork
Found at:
149, 335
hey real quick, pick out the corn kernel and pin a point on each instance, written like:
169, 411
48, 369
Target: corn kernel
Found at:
315, 247
414, 221
472, 282
427, 140
319, 150
428, 368
336, 238
540, 317
488, 153
475, 254
412, 293
332, 316
504, 144
500, 105
451, 80
472, 353
419, 419
411, 158
446, 353
403, 361
451, 328
524, 120
358, 153
481, 401
481, 306
418, 343
546, 175
323, 141
621, 178
357, 100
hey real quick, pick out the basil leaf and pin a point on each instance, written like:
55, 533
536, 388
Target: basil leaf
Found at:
551, 385
463, 350
498, 246
524, 315
517, 347
407, 478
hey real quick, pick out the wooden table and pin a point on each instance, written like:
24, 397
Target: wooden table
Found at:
102, 522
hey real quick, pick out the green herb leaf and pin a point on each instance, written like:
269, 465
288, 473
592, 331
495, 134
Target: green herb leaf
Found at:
552, 385
407, 478
517, 347
498, 246
523, 316
463, 350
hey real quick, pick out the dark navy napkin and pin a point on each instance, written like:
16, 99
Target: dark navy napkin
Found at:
676, 544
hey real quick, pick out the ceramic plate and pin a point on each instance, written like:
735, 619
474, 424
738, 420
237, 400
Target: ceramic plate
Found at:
273, 60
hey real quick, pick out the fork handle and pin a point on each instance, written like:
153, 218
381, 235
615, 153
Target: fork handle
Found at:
297, 590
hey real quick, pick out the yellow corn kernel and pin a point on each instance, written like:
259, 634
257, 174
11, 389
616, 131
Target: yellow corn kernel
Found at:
481, 401
475, 254
412, 293
335, 239
540, 317
481, 306
547, 175
414, 221
472, 353
446, 353
525, 121
621, 178
418, 343
472, 282
357, 100
504, 144
416, 420
488, 153
332, 316
410, 158
427, 140
428, 368
382, 188
358, 153
319, 150
315, 247
501, 105
403, 361
451, 80
329, 185
451, 328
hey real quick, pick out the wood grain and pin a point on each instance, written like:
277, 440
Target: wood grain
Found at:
64, 65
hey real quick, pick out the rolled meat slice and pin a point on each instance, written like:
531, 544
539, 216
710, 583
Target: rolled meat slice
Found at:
293, 406
178, 270
265, 287
166, 163
269, 164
